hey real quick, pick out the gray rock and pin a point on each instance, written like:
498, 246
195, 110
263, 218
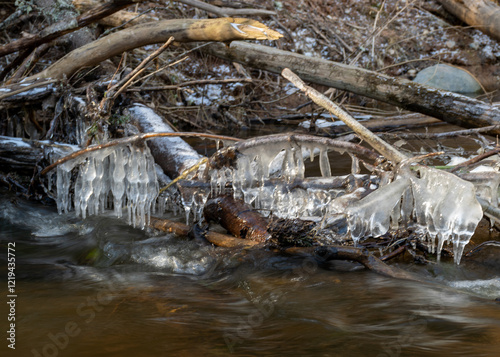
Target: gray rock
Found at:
449, 78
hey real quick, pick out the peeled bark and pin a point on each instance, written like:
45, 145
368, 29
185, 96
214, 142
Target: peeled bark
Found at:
183, 30
447, 106
482, 14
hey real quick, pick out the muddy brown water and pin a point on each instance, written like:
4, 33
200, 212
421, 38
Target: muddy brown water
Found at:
101, 288
98, 287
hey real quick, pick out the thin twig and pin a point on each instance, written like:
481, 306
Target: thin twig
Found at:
122, 84
184, 174
475, 159
130, 140
192, 83
27, 88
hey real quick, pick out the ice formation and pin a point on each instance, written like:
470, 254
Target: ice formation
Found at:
438, 204
119, 176
264, 176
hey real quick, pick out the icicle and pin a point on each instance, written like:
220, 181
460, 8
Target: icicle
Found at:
324, 163
446, 206
371, 215
117, 169
124, 174
355, 169
63, 182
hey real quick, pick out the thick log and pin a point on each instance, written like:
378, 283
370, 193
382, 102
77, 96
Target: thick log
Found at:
481, 14
238, 218
447, 106
183, 30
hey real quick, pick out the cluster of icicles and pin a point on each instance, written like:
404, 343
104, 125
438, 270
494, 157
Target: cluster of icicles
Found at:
439, 205
116, 177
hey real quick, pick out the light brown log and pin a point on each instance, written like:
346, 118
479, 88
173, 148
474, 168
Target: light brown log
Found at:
481, 14
447, 106
183, 30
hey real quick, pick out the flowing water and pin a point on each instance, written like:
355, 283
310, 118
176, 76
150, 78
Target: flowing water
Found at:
98, 287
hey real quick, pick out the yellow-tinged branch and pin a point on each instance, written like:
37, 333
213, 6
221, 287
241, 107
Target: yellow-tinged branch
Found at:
183, 30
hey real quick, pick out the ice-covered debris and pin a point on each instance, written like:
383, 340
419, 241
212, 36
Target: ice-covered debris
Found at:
372, 214
446, 208
441, 206
118, 176
271, 178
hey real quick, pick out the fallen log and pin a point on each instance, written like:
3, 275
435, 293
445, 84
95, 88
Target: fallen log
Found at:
183, 30
173, 154
481, 14
447, 106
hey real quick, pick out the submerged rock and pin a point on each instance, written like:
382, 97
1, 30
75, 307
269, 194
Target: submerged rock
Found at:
449, 78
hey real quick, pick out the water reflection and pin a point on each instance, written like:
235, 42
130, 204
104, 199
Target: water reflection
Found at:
100, 288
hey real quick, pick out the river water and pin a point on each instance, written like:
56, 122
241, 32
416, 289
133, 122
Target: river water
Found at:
98, 287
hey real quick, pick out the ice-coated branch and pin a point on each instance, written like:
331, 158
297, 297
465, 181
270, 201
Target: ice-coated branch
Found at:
130, 140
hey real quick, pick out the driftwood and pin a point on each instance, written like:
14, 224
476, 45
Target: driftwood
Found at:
481, 14
387, 150
183, 30
447, 106
130, 140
